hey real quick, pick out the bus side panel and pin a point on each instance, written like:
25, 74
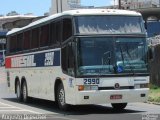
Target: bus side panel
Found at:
39, 69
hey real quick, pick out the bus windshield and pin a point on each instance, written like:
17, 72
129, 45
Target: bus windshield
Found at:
108, 55
109, 25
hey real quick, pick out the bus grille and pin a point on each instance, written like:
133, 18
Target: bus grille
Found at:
112, 88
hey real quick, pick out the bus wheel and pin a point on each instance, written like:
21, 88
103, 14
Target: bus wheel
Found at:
61, 98
24, 92
18, 91
119, 106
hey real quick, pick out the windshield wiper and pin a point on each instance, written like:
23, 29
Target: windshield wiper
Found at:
122, 54
106, 60
132, 69
126, 59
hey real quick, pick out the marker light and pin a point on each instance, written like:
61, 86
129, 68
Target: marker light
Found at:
81, 87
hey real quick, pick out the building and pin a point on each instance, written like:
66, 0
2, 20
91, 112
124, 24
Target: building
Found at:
58, 6
9, 22
136, 4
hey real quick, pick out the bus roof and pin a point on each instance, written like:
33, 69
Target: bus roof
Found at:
79, 12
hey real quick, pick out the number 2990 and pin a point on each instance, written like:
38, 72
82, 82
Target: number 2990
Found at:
91, 81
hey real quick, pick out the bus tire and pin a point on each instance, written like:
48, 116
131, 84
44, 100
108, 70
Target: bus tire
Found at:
61, 98
18, 92
119, 106
24, 92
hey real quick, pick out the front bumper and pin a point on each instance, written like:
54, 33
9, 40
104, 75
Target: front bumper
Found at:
103, 96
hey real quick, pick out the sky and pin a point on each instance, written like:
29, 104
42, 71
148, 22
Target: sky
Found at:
39, 7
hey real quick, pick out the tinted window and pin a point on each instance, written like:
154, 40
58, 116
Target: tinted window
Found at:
27, 37
58, 31
68, 59
109, 25
20, 42
44, 39
13, 43
67, 29
35, 38
55, 33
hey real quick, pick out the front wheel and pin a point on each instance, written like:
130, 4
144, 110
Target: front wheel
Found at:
61, 98
119, 106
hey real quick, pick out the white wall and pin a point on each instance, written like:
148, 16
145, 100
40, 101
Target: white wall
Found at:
63, 5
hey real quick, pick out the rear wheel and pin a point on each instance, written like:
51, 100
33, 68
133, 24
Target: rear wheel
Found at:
119, 106
61, 98
24, 92
18, 91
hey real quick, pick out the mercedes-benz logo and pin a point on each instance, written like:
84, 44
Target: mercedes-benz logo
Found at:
117, 86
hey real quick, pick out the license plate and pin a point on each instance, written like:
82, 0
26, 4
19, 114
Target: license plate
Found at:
115, 97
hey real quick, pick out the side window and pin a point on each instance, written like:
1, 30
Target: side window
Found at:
20, 42
68, 59
35, 38
44, 39
64, 57
13, 43
58, 31
53, 34
27, 39
67, 29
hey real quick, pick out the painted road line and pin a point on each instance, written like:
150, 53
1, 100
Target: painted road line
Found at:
6, 107
20, 109
13, 110
65, 118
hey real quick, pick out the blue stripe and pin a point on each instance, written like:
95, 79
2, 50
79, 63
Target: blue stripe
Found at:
43, 59
40, 58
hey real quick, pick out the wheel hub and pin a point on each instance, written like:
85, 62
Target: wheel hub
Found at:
62, 97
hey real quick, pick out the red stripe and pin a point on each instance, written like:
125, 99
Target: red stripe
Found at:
8, 62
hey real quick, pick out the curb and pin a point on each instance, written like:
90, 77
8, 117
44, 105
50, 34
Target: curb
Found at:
155, 103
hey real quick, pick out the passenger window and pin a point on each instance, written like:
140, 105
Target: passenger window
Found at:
55, 33
67, 29
58, 31
13, 43
44, 39
20, 42
35, 38
27, 39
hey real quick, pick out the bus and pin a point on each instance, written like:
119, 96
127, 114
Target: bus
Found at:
80, 57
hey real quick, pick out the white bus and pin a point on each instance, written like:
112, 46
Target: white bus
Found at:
80, 57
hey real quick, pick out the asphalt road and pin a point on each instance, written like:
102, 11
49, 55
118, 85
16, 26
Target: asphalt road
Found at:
10, 108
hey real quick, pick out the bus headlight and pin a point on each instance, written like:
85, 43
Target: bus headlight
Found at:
87, 87
145, 85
